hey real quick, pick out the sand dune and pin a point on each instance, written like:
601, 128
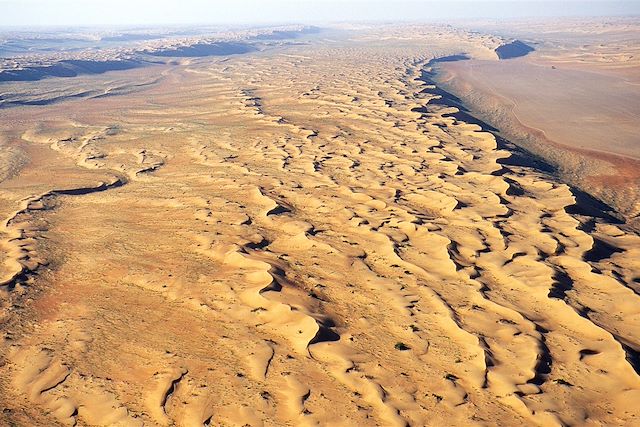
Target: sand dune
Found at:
303, 237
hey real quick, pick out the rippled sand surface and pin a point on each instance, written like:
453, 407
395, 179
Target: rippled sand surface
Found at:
282, 238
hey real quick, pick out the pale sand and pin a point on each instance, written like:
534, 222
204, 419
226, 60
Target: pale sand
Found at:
580, 109
279, 239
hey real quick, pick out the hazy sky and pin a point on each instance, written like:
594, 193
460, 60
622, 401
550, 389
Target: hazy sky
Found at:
129, 12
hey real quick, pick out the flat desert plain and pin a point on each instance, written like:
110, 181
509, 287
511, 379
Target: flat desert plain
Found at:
301, 235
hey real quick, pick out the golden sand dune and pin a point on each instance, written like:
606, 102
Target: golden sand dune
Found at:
282, 239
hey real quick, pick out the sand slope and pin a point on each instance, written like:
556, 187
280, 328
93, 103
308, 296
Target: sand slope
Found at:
282, 239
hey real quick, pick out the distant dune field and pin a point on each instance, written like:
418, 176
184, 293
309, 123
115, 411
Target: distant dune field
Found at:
306, 234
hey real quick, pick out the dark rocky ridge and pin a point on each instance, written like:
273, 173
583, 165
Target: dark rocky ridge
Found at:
514, 49
67, 68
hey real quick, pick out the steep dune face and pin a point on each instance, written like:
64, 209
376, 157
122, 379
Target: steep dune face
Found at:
302, 238
584, 123
574, 102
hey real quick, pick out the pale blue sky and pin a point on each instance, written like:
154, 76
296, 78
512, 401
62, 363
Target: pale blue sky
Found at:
149, 12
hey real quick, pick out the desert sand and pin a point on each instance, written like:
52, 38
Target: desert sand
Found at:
574, 101
297, 236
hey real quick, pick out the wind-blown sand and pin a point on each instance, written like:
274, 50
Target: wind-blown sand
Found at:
283, 238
